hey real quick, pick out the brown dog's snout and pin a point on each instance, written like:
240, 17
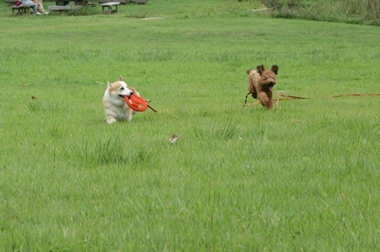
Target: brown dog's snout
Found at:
272, 81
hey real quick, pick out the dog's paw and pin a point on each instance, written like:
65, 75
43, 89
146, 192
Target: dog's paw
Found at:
111, 120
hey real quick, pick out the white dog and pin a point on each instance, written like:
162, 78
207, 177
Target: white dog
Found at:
114, 104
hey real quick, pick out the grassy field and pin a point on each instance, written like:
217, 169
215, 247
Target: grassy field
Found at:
302, 177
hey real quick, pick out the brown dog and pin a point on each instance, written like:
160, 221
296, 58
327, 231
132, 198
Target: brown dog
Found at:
260, 84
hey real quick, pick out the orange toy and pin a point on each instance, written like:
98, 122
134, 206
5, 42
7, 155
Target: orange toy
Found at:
136, 103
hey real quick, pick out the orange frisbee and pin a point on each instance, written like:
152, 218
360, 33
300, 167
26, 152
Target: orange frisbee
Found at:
136, 103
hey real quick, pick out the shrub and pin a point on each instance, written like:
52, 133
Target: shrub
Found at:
350, 11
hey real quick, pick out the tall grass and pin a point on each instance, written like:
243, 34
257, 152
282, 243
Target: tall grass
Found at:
303, 176
350, 11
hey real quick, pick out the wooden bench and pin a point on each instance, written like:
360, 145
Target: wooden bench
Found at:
21, 9
109, 7
60, 8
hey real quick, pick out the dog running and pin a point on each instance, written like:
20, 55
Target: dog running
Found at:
260, 84
115, 106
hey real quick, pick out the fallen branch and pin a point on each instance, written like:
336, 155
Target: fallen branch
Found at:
293, 97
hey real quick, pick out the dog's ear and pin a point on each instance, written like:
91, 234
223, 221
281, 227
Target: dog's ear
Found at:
249, 71
275, 69
120, 78
260, 69
108, 84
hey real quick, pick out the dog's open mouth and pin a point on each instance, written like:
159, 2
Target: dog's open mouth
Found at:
122, 96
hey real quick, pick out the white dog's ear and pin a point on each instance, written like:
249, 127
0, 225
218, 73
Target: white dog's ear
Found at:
120, 78
108, 84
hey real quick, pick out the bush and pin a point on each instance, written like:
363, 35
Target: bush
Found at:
350, 11
284, 4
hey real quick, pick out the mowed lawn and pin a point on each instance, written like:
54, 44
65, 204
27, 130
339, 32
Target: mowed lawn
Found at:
301, 177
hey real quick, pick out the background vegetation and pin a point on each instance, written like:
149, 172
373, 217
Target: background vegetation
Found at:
350, 11
303, 176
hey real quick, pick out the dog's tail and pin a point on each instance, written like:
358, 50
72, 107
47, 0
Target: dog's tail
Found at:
246, 97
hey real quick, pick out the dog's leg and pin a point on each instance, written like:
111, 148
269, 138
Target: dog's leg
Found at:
270, 104
129, 114
264, 99
270, 99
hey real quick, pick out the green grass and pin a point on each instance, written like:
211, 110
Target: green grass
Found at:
303, 176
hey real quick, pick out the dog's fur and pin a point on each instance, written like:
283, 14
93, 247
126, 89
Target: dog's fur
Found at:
114, 104
260, 84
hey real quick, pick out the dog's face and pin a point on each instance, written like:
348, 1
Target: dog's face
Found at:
268, 77
118, 90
